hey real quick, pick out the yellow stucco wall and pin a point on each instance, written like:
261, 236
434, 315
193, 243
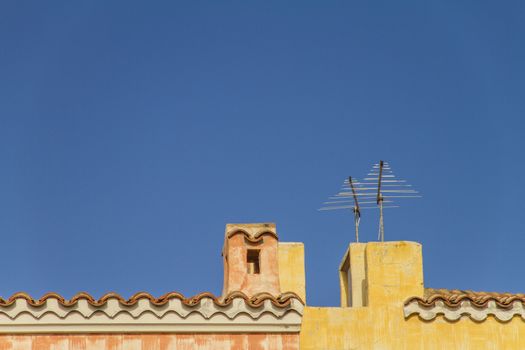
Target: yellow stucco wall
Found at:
291, 268
386, 328
390, 273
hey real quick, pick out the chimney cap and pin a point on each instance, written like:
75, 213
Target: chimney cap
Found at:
252, 231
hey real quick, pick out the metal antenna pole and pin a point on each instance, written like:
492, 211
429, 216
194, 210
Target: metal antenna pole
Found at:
380, 203
357, 218
381, 226
357, 212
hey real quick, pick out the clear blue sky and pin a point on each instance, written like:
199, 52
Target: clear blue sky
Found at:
132, 132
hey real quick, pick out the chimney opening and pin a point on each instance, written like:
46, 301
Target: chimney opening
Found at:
252, 259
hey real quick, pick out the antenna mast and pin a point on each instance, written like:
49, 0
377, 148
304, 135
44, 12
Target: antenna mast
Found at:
380, 203
357, 212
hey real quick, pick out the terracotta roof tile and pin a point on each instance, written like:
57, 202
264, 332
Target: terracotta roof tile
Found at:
454, 297
255, 301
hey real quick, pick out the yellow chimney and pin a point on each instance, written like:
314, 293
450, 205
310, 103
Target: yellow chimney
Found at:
381, 273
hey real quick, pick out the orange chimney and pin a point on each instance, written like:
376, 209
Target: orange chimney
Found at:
250, 256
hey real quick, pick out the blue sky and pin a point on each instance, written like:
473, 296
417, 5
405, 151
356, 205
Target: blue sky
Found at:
132, 132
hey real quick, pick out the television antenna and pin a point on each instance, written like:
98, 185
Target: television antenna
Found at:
380, 189
389, 187
348, 199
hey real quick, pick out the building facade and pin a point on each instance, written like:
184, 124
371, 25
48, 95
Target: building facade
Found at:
384, 305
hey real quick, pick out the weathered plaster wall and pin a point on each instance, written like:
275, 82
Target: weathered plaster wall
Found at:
352, 281
394, 272
381, 273
291, 268
152, 342
386, 328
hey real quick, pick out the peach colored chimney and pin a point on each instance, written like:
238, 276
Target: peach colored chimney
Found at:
250, 256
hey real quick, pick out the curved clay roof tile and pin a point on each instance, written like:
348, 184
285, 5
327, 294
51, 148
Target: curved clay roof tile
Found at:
255, 301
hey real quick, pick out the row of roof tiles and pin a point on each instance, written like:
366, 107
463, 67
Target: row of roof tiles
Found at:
282, 300
454, 298
451, 297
